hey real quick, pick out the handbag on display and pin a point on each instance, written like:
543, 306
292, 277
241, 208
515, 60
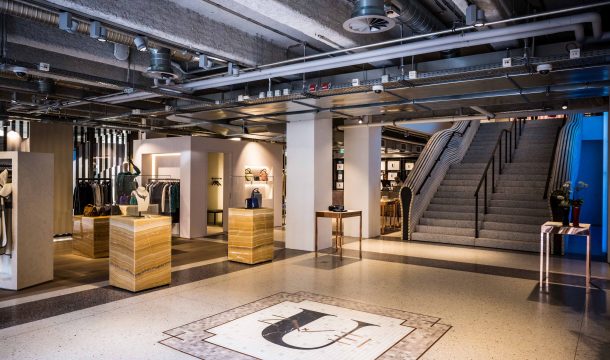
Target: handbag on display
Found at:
105, 210
90, 211
263, 176
256, 194
249, 175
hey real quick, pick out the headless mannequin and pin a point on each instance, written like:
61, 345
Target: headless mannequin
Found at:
126, 181
143, 198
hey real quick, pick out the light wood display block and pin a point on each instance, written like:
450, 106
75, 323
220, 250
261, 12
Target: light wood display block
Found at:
140, 252
250, 235
31, 260
132, 210
90, 236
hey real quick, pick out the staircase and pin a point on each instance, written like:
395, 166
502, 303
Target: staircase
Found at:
515, 211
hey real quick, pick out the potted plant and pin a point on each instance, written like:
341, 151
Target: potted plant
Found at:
577, 202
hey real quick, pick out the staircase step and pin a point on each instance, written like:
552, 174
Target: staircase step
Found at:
447, 223
509, 235
444, 239
445, 230
490, 225
516, 219
455, 195
509, 196
520, 183
449, 215
451, 208
453, 176
518, 211
528, 204
534, 191
519, 177
508, 244
460, 182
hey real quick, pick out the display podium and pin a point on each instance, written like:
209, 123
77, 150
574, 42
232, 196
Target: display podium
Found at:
31, 250
90, 236
140, 252
250, 235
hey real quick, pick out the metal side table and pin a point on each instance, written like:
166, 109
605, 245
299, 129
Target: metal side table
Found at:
339, 227
549, 228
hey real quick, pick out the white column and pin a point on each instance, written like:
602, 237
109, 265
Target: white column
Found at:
193, 194
362, 179
309, 179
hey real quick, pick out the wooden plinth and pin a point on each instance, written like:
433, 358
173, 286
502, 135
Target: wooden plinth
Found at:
90, 236
140, 252
250, 235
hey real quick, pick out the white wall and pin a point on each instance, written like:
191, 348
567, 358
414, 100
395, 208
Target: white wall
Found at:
215, 170
194, 176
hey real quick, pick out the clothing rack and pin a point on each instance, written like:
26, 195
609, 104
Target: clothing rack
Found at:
93, 178
81, 197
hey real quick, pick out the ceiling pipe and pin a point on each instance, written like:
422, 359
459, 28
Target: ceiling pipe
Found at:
502, 115
439, 33
51, 18
545, 27
479, 109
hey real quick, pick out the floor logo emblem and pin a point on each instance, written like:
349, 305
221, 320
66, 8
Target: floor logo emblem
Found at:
306, 326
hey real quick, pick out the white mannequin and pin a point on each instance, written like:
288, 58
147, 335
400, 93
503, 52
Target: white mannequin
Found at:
142, 197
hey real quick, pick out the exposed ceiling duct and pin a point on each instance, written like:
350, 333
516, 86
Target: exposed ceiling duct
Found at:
160, 64
545, 27
369, 17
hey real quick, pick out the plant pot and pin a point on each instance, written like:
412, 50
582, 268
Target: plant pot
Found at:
565, 218
556, 208
576, 216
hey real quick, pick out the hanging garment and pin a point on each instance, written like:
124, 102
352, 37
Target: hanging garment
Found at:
6, 219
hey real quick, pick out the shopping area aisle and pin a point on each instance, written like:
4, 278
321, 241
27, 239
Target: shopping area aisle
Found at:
484, 303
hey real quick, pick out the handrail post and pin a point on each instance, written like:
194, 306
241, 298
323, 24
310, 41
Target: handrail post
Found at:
510, 152
476, 215
493, 174
485, 196
500, 159
506, 147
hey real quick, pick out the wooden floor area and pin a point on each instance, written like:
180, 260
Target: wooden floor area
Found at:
73, 270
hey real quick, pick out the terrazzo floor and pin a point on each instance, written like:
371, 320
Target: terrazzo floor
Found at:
490, 299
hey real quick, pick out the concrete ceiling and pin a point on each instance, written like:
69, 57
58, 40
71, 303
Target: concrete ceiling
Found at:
252, 33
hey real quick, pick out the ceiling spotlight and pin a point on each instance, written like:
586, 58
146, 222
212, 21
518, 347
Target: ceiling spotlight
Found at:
360, 121
140, 43
564, 106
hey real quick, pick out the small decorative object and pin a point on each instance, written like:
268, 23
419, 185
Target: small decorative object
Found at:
258, 198
577, 202
249, 175
263, 176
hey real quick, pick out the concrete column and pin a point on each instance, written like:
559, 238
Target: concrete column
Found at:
194, 195
362, 179
309, 179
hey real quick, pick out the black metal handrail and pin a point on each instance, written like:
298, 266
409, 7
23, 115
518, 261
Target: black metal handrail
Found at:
438, 158
509, 146
550, 172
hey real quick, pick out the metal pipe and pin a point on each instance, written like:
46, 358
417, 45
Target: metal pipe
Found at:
50, 18
479, 109
428, 46
596, 29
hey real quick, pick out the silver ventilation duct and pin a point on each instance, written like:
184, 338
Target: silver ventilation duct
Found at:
160, 64
369, 17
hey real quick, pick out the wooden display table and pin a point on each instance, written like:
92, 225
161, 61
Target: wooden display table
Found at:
250, 235
140, 252
90, 236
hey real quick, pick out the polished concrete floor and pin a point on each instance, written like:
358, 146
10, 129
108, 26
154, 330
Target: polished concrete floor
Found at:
488, 303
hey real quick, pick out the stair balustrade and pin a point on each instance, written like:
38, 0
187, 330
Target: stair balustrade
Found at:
507, 139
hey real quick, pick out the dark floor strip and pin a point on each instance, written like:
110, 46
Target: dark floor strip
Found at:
476, 268
59, 305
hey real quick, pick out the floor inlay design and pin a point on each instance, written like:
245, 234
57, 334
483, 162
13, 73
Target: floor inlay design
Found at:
304, 326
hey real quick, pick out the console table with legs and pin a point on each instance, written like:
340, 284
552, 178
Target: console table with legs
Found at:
339, 216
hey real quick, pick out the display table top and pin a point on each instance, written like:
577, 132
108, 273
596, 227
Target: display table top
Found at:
551, 227
338, 214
